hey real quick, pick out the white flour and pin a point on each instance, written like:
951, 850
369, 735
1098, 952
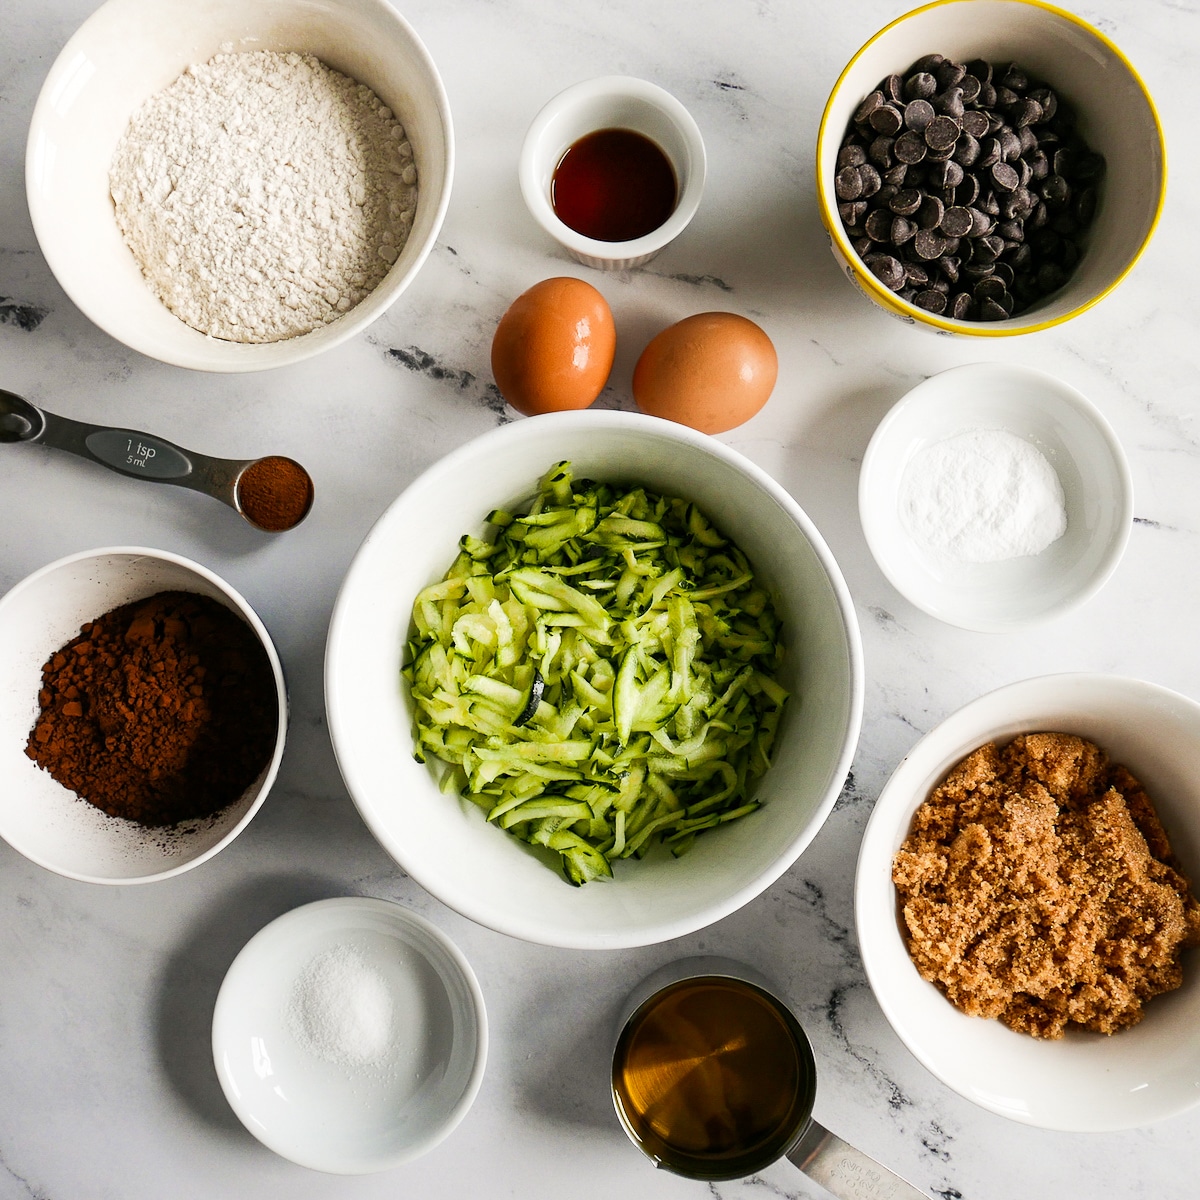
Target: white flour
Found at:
982, 496
263, 194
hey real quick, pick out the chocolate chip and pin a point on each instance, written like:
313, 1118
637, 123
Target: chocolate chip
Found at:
848, 184
910, 147
929, 215
853, 213
929, 244
880, 151
920, 86
967, 150
918, 114
956, 222
970, 88
989, 310
893, 89
903, 230
868, 106
871, 181
931, 300
888, 270
1004, 177
1056, 190
905, 202
886, 120
879, 225
961, 307
975, 123
851, 155
941, 133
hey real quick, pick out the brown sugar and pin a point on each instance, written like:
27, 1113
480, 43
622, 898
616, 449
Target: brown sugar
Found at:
1038, 886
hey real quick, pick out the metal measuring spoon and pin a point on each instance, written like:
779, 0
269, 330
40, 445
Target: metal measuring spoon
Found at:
252, 487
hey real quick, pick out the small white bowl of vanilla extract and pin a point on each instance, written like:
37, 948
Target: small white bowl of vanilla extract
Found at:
613, 169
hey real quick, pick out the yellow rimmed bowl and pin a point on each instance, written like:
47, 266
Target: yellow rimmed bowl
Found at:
1116, 115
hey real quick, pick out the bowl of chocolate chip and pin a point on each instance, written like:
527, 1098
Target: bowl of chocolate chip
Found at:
1026, 907
142, 715
239, 184
989, 167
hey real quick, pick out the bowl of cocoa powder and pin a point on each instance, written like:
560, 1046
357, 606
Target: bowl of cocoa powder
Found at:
142, 715
1026, 902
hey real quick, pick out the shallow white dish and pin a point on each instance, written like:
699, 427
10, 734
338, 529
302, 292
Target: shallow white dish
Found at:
335, 1118
1076, 440
444, 841
38, 816
1084, 1082
130, 49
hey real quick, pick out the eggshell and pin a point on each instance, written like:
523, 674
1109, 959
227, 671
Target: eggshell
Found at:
711, 371
553, 349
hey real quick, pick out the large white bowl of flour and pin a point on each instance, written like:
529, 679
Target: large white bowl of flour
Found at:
129, 52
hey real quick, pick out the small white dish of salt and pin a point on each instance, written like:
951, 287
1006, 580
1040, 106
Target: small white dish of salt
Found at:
350, 1035
995, 497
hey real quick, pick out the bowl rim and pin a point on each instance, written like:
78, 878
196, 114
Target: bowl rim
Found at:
614, 86
283, 352
398, 915
888, 300
242, 607
874, 455
881, 825
582, 421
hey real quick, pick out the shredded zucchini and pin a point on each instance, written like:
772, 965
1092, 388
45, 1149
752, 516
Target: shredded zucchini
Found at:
600, 675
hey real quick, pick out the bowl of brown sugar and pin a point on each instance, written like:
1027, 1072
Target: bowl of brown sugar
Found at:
142, 715
1026, 902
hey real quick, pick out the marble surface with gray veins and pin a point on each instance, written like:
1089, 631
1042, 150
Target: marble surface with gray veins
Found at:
107, 1089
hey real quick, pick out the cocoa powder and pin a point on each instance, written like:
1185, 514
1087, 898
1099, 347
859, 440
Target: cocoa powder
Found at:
160, 711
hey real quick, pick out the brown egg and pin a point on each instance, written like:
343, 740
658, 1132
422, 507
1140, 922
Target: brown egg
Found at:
711, 371
554, 347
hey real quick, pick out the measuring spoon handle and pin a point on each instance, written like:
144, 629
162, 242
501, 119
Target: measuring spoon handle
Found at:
846, 1172
142, 455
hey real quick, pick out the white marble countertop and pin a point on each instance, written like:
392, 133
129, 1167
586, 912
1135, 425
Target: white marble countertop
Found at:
107, 1088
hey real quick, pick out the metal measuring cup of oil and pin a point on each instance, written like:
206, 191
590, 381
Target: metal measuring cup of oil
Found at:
713, 1078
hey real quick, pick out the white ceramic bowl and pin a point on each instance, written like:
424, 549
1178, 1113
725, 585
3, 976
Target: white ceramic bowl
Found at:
1070, 433
352, 1119
612, 102
1116, 116
444, 842
38, 816
1084, 1082
130, 49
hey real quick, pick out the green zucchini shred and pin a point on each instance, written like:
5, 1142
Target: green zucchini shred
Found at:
599, 676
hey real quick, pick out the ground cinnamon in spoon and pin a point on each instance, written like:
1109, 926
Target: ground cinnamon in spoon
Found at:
160, 711
275, 493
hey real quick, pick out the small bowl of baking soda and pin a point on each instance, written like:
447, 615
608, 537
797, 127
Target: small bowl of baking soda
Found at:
350, 1035
995, 497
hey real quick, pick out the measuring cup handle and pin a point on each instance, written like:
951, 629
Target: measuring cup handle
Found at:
846, 1172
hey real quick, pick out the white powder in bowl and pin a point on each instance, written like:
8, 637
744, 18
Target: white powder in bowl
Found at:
263, 194
982, 496
341, 1009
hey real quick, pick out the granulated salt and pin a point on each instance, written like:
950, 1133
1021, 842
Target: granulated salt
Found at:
982, 496
263, 194
342, 1011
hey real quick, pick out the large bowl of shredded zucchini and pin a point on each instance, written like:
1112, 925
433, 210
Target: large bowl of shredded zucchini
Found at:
594, 680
